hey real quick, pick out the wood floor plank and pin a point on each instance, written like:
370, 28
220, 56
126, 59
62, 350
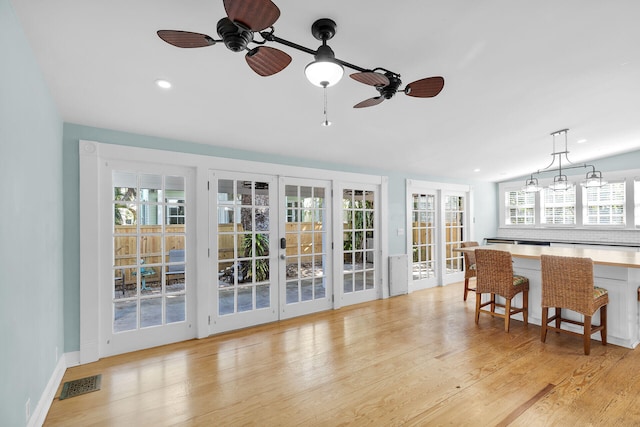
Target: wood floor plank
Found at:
416, 359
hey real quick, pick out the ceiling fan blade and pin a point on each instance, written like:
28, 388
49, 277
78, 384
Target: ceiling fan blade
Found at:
267, 61
185, 39
370, 78
254, 14
370, 102
425, 88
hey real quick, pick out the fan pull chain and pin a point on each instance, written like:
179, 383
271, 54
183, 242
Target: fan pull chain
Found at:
326, 121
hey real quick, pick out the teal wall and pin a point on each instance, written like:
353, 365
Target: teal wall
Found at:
486, 216
31, 234
627, 161
620, 162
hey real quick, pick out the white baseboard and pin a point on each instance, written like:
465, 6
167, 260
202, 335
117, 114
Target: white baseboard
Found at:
49, 394
72, 359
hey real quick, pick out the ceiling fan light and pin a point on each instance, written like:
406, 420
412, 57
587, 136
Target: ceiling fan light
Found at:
324, 72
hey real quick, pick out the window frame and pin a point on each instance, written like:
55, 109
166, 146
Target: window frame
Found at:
507, 208
543, 205
585, 207
632, 202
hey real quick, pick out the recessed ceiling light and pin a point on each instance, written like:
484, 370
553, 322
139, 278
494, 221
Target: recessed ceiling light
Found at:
164, 84
476, 170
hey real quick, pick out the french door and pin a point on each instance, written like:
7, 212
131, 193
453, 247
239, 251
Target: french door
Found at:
424, 238
454, 208
305, 262
437, 214
244, 224
359, 242
148, 298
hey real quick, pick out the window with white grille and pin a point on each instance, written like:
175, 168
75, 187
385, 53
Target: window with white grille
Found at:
520, 208
605, 205
558, 207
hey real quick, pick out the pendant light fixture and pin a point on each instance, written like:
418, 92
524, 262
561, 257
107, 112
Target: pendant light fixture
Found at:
325, 71
560, 181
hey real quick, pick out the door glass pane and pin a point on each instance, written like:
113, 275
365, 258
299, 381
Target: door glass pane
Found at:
358, 240
125, 316
174, 189
226, 301
150, 312
245, 299
175, 308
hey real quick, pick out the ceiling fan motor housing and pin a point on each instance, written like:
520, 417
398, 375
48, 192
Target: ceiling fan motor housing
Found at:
389, 90
234, 35
324, 29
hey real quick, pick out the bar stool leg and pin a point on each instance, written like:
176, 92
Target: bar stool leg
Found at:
525, 307
603, 322
507, 314
587, 335
545, 320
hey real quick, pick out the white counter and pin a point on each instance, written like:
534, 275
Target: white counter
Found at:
616, 271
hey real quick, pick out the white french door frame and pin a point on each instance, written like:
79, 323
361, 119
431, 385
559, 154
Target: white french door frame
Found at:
113, 343
414, 187
96, 256
448, 278
440, 189
381, 285
256, 316
288, 310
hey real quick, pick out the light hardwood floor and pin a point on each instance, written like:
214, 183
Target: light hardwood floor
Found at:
417, 359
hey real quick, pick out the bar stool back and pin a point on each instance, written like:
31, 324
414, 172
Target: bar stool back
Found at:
469, 267
567, 282
494, 275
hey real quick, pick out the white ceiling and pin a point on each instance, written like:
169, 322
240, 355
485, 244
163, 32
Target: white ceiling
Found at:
515, 71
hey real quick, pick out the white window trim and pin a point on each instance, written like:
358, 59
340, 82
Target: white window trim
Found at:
628, 175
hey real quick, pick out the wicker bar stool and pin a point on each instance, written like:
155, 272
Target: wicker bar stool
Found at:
469, 266
494, 275
567, 282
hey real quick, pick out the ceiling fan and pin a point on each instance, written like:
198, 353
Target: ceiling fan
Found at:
246, 18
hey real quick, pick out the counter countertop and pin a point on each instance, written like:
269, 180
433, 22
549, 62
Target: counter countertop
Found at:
547, 242
599, 256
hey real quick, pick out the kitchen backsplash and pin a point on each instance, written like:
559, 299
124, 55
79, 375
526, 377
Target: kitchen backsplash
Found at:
625, 237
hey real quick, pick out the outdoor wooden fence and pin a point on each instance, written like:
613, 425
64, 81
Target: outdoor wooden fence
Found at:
308, 241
